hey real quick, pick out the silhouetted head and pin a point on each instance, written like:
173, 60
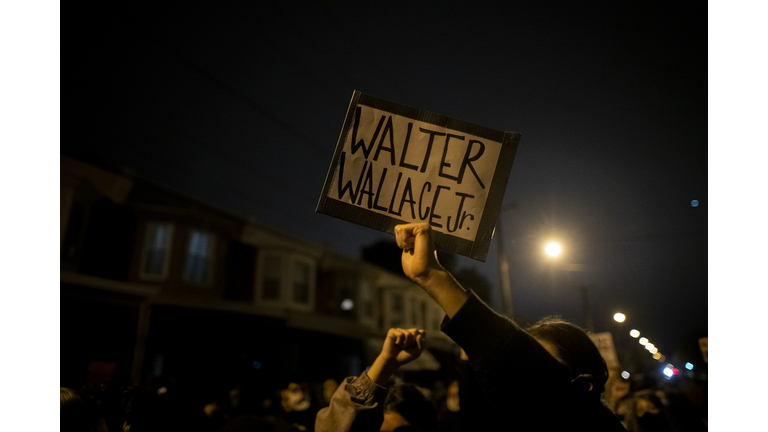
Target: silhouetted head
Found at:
408, 408
571, 345
77, 414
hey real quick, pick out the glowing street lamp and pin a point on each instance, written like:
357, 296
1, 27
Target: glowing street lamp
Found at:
619, 317
643, 341
634, 333
553, 249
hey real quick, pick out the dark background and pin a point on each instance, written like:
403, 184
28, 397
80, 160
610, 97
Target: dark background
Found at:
240, 104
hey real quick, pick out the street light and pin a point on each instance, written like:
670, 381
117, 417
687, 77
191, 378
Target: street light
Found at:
553, 249
619, 317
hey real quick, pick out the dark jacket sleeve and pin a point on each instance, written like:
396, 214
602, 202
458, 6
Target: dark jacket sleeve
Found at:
356, 405
515, 372
526, 387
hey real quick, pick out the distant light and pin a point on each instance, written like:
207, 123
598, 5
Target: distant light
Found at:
689, 366
162, 390
643, 341
347, 304
625, 375
649, 346
675, 371
662, 358
634, 333
654, 350
257, 364
553, 249
619, 317
657, 356
668, 371
695, 203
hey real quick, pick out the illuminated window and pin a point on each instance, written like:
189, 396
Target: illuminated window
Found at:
157, 251
198, 266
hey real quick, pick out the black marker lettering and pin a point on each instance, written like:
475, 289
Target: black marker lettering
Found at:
459, 219
361, 143
434, 214
367, 187
405, 149
445, 152
407, 191
432, 135
391, 149
428, 187
467, 162
394, 194
348, 185
378, 191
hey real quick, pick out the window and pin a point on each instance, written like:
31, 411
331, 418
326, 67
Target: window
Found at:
398, 312
157, 251
300, 282
198, 266
286, 279
272, 270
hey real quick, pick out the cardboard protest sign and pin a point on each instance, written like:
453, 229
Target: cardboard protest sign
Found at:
604, 344
396, 164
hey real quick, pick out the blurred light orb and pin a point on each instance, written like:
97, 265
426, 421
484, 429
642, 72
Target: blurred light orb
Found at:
625, 375
347, 304
257, 364
695, 203
657, 356
619, 317
649, 346
689, 366
643, 341
553, 249
654, 350
634, 333
668, 371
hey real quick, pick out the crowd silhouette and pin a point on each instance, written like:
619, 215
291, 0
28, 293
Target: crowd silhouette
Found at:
549, 376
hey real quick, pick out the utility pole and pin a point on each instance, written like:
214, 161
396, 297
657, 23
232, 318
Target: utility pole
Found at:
588, 322
506, 286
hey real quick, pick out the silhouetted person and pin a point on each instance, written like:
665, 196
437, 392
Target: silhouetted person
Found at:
646, 413
544, 383
77, 415
365, 404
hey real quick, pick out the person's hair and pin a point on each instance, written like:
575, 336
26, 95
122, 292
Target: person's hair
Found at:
68, 397
76, 414
409, 401
574, 348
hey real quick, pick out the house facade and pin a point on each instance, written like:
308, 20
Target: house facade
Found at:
156, 285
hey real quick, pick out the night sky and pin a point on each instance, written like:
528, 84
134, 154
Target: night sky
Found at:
240, 104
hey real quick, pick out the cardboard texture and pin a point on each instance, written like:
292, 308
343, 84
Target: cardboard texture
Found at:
396, 164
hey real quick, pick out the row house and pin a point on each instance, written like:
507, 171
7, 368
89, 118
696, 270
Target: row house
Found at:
155, 283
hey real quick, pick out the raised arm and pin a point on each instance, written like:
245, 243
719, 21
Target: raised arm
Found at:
400, 347
357, 404
420, 263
